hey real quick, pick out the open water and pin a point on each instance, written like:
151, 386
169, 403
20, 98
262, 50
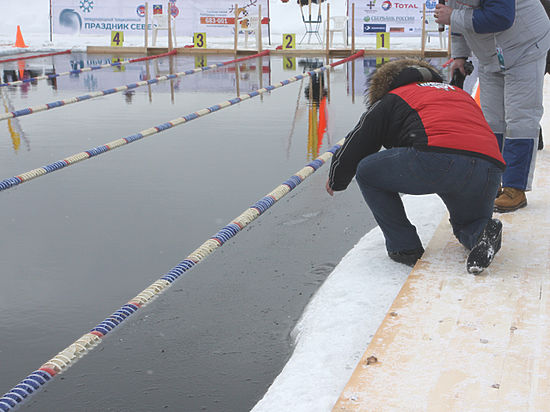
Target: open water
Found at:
79, 243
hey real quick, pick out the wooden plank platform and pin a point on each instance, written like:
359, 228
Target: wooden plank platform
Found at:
452, 341
242, 52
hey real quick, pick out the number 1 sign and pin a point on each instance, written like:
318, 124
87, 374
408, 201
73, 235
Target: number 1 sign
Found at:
383, 40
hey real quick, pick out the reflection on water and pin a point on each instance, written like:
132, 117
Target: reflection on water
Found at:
316, 95
14, 126
244, 76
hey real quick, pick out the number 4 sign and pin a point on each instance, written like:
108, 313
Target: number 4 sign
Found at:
117, 38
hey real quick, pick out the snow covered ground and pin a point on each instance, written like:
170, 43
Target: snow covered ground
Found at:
342, 317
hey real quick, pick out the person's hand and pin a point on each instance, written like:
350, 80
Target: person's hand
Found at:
442, 14
458, 63
329, 189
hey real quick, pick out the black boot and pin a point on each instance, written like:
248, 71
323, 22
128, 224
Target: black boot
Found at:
486, 248
407, 257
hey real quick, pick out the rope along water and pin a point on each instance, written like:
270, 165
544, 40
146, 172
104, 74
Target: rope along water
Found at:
36, 56
60, 164
84, 69
60, 103
68, 357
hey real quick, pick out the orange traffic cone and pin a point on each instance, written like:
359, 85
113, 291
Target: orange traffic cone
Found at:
19, 42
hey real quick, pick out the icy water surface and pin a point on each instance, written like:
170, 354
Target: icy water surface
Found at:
79, 243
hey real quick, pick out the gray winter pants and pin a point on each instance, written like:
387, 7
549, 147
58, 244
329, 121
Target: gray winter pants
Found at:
511, 101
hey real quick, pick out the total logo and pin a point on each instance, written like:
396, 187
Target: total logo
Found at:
386, 5
405, 5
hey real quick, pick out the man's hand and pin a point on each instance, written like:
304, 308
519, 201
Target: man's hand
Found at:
329, 189
442, 14
458, 63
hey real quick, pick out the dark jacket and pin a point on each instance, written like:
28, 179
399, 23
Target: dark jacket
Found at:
430, 116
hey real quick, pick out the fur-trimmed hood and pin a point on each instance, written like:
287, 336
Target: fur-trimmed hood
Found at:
398, 73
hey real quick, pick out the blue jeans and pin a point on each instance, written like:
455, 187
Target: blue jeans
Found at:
467, 185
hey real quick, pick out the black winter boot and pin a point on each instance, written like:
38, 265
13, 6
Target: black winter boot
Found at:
407, 257
486, 248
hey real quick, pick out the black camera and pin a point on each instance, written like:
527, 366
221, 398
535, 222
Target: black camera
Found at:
458, 77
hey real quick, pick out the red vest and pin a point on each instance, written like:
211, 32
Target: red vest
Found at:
451, 118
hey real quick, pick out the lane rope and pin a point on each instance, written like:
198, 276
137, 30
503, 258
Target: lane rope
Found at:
60, 103
85, 69
68, 357
60, 164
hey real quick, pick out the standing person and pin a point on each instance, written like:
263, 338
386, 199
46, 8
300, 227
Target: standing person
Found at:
411, 114
510, 38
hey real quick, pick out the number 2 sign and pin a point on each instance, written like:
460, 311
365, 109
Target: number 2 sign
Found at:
289, 41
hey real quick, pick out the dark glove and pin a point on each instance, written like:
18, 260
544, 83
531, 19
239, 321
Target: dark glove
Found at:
458, 77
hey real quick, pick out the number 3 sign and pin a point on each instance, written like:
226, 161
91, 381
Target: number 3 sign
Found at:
199, 40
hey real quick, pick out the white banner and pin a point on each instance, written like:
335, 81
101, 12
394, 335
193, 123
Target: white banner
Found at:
402, 17
216, 18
